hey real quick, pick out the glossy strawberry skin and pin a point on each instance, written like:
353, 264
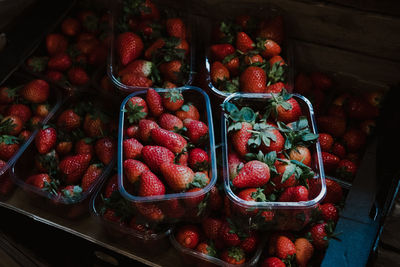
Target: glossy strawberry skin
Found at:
197, 131
105, 149
145, 127
220, 51
177, 177
150, 185
253, 174
173, 141
132, 148
129, 47
253, 80
188, 236
133, 169
73, 167
36, 91
240, 139
154, 156
45, 140
244, 42
170, 122
154, 102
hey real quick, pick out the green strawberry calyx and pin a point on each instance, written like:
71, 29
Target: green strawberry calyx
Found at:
262, 132
269, 159
9, 139
236, 253
199, 181
173, 95
298, 134
259, 196
134, 112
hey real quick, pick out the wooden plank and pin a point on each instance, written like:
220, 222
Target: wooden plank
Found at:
391, 7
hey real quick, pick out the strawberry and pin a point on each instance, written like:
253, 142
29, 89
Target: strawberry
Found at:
24, 135
172, 70
334, 192
234, 164
92, 173
294, 194
111, 186
325, 141
267, 137
78, 76
155, 156
249, 244
335, 126
233, 255
188, 111
253, 174
136, 109
301, 154
275, 88
132, 131
285, 108
330, 161
282, 180
321, 81
272, 29
150, 185
70, 26
304, 251
173, 141
320, 234
218, 73
284, 248
170, 122
329, 212
39, 180
73, 167
232, 65
150, 211
168, 85
173, 100
94, 124
59, 62
211, 227
195, 202
197, 131
275, 60
303, 84
338, 150
133, 169
251, 59
198, 159
139, 66
56, 43
159, 43
42, 110
346, 169
252, 195
11, 125
220, 51
69, 120
244, 42
132, 148
229, 234
145, 127
20, 110
207, 249
273, 262
176, 28
149, 11
137, 80
173, 208
241, 137
89, 20
179, 178
129, 47
188, 236
269, 48
45, 139
354, 140
105, 149
84, 146
215, 199
7, 94
253, 80
358, 108
154, 102
36, 91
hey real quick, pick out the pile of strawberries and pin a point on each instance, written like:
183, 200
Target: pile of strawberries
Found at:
152, 48
164, 153
345, 120
246, 55
80, 46
72, 151
269, 157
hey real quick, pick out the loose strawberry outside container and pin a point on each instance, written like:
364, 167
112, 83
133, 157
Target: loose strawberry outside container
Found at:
285, 215
258, 11
167, 7
164, 202
198, 259
55, 100
156, 242
63, 207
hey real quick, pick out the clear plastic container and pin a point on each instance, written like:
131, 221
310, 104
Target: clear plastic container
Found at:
287, 215
163, 5
55, 100
201, 100
148, 242
63, 207
198, 259
261, 11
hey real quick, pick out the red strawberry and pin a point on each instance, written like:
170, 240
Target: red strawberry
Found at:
24, 135
78, 76
232, 65
198, 159
233, 255
11, 125
136, 109
139, 66
276, 59
278, 180
304, 251
194, 202
132, 131
129, 47
8, 146
284, 248
197, 131
150, 185
188, 111
145, 127
251, 59
20, 110
335, 126
188, 236
234, 163
272, 139
170, 122
218, 73
45, 140
215, 199
325, 141
39, 180
94, 125
171, 71
249, 244
251, 195
354, 140
7, 94
70, 26
346, 169
301, 154
176, 28
321, 81
334, 192
178, 177
173, 141
133, 169
56, 43
207, 249
244, 42
150, 211
69, 120
294, 194
253, 80
154, 102
329, 212
137, 80
159, 43
42, 110
132, 148
112, 185
253, 174
272, 29
240, 139
73, 167
338, 150
173, 100
92, 173
320, 234
84, 146
220, 51
359, 109
303, 84
60, 62
273, 262
285, 109
149, 11
275, 88
269, 48
211, 227
155, 156
36, 91
229, 235
105, 149
330, 161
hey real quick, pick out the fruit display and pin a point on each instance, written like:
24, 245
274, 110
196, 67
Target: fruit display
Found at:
118, 217
271, 152
346, 119
76, 48
247, 53
25, 103
151, 47
69, 155
166, 151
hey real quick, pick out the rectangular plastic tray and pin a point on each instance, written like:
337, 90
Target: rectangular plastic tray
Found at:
199, 98
55, 100
112, 64
21, 169
283, 210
